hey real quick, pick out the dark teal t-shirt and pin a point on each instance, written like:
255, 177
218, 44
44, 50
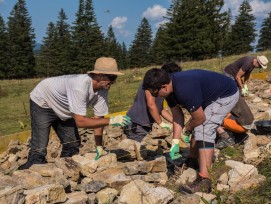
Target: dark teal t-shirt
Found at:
199, 88
139, 112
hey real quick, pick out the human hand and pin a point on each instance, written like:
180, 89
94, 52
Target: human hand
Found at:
166, 125
120, 120
175, 150
185, 136
245, 87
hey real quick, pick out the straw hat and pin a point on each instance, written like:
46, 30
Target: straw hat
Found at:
262, 61
106, 65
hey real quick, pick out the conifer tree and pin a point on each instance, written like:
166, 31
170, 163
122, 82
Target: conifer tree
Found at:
47, 58
111, 45
87, 38
3, 50
124, 56
264, 42
63, 45
243, 31
139, 52
20, 42
159, 46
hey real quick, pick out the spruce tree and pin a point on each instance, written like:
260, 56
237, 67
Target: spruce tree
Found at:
20, 42
243, 31
95, 39
139, 52
124, 56
264, 42
111, 45
159, 46
3, 50
87, 39
47, 58
63, 45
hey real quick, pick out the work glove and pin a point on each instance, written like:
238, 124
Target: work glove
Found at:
185, 136
99, 152
245, 90
119, 120
175, 150
166, 125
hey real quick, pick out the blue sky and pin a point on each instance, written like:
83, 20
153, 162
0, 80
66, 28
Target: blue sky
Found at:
124, 15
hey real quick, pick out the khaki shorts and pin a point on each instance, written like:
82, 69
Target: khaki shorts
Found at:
215, 114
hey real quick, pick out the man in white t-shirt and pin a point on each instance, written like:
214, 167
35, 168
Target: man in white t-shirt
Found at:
61, 102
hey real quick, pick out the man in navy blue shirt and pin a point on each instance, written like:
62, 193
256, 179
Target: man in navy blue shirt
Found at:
208, 97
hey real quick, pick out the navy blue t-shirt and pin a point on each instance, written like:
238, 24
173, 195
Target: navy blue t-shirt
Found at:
195, 88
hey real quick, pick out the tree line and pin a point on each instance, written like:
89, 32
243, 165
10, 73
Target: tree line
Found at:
194, 30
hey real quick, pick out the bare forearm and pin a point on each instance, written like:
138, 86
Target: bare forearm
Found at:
165, 114
86, 122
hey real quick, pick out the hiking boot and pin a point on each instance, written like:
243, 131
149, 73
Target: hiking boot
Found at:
199, 185
192, 163
224, 142
33, 159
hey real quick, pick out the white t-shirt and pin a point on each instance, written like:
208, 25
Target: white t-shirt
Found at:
70, 94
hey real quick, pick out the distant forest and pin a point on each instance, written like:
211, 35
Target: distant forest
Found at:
196, 30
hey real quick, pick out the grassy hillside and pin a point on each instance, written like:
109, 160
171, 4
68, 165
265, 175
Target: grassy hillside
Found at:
14, 94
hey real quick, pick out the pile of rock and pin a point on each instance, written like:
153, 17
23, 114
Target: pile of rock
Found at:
131, 172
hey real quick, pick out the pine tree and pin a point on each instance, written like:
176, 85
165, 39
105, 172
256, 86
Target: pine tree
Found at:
139, 52
88, 42
63, 45
95, 38
243, 31
47, 58
159, 46
264, 42
20, 42
124, 57
3, 50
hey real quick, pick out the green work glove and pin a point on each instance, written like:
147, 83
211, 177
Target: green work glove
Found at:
244, 91
175, 150
99, 152
185, 136
165, 125
120, 120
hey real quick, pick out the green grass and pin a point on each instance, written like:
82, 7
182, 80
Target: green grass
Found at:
14, 94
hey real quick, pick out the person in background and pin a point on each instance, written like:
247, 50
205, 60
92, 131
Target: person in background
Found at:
239, 121
241, 69
208, 97
61, 102
148, 109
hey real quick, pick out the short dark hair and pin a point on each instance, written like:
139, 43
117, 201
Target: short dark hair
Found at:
100, 77
171, 67
155, 78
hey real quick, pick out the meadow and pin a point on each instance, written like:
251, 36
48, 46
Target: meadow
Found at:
14, 94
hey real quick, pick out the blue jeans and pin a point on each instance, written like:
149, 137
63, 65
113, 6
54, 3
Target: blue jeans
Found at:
42, 119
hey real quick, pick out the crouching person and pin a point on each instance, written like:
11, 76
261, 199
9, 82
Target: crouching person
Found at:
61, 102
208, 97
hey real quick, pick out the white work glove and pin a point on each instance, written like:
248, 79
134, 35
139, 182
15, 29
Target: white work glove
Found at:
166, 125
245, 90
120, 120
185, 136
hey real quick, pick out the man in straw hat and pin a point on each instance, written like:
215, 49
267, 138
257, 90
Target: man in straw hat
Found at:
61, 102
242, 68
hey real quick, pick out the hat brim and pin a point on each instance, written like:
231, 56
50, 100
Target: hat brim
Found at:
105, 72
262, 66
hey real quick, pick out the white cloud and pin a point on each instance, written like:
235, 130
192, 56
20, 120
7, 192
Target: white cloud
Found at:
119, 22
158, 24
260, 8
155, 13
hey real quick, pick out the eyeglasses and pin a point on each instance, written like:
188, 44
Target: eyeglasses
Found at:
112, 77
154, 93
